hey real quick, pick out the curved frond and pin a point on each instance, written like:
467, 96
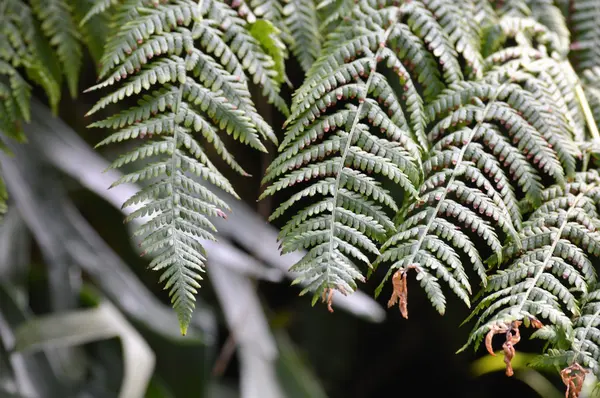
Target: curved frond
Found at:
188, 64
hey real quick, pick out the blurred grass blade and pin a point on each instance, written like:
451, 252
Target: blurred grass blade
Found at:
246, 320
32, 375
535, 380
296, 377
15, 253
84, 326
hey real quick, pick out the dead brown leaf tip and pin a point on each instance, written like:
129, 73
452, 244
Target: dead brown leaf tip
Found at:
400, 292
328, 298
573, 377
513, 336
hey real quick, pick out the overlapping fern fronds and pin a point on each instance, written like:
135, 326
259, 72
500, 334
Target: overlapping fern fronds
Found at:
493, 141
579, 353
347, 131
189, 65
552, 275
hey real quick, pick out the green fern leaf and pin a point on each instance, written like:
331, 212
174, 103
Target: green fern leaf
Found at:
333, 154
188, 80
302, 22
58, 25
268, 36
586, 32
552, 270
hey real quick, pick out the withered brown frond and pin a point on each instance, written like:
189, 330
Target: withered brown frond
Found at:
328, 298
573, 377
513, 336
400, 292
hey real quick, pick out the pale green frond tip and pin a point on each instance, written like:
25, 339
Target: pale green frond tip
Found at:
269, 37
183, 325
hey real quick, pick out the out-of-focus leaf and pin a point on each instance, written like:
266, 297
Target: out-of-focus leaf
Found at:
8, 394
269, 37
246, 320
295, 376
15, 254
219, 390
537, 382
488, 363
83, 326
34, 375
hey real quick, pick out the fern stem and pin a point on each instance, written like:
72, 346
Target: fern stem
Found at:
540, 271
585, 105
461, 155
361, 99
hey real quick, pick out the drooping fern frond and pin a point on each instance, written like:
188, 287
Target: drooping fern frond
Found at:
547, 278
58, 25
302, 23
23, 48
332, 151
586, 34
188, 64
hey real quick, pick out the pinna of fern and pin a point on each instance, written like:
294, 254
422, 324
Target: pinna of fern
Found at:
551, 275
189, 66
34, 49
24, 48
583, 21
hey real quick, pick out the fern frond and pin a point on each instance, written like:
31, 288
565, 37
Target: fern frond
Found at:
457, 21
586, 34
58, 25
464, 185
584, 348
98, 7
548, 14
182, 64
547, 277
24, 47
94, 27
331, 152
302, 23
591, 80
